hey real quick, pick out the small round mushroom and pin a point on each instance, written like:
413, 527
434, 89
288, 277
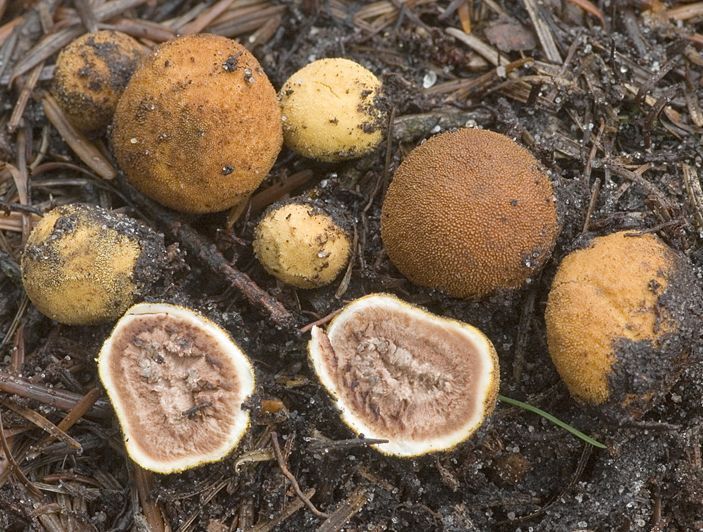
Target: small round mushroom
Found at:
84, 265
178, 384
621, 319
301, 244
91, 74
332, 110
469, 212
198, 127
423, 382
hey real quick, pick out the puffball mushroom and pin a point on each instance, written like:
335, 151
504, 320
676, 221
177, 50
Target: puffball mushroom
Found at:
331, 110
396, 372
91, 74
301, 244
177, 383
198, 127
469, 212
621, 318
84, 265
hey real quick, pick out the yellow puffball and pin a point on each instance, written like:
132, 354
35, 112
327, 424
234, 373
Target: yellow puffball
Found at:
331, 110
91, 75
301, 245
84, 265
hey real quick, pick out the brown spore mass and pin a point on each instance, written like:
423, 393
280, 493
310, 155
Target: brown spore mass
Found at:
184, 390
91, 74
469, 212
408, 378
198, 105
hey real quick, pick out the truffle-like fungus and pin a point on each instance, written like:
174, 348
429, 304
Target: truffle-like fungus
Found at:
198, 127
396, 372
469, 212
620, 321
177, 383
332, 111
91, 74
84, 265
301, 244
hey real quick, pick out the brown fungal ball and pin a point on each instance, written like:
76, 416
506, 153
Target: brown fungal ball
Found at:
91, 74
620, 321
469, 212
423, 382
331, 110
301, 244
198, 127
84, 265
177, 383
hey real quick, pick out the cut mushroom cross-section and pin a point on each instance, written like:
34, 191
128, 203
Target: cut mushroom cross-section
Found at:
177, 383
396, 372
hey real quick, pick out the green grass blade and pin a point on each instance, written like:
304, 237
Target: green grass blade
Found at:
550, 417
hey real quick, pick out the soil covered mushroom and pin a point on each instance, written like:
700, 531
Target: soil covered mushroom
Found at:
302, 244
396, 372
198, 127
469, 212
91, 74
622, 317
332, 110
177, 383
84, 265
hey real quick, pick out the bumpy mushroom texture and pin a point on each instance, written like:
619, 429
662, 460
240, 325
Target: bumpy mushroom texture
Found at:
620, 322
331, 110
84, 265
198, 127
301, 245
469, 212
423, 382
177, 383
91, 74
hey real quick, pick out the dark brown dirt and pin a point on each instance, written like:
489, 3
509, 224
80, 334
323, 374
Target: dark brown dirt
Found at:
611, 110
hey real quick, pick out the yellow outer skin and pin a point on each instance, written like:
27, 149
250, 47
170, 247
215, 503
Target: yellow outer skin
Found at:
91, 74
86, 276
357, 425
301, 245
198, 127
605, 292
325, 105
140, 456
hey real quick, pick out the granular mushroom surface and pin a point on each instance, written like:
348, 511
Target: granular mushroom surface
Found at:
198, 127
91, 74
84, 265
177, 383
423, 382
469, 212
621, 320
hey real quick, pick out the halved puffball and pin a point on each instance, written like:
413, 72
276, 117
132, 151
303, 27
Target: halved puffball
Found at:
397, 372
177, 383
331, 110
301, 244
84, 265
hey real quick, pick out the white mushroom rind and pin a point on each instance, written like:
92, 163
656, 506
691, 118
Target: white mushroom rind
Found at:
486, 382
239, 359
